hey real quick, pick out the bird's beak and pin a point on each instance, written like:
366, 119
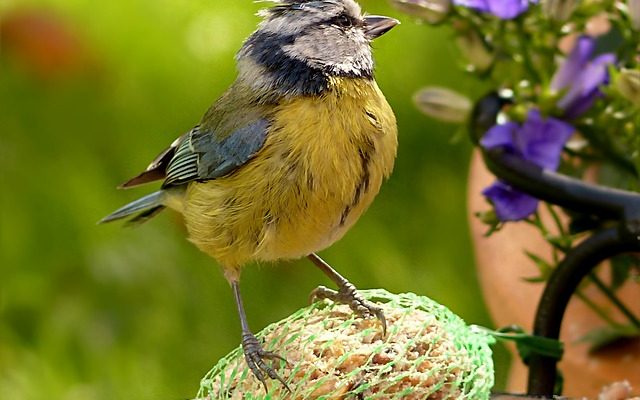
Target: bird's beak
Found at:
376, 25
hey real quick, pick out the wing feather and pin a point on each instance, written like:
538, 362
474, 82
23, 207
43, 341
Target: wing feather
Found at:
157, 168
184, 164
203, 156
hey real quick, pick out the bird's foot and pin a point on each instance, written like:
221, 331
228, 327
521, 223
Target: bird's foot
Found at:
348, 294
255, 355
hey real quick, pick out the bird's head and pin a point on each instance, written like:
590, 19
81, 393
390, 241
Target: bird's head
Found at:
300, 44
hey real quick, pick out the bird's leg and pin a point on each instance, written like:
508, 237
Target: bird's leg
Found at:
346, 293
252, 348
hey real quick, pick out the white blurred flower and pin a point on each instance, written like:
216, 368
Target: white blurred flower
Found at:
627, 82
431, 11
558, 10
443, 104
475, 50
616, 391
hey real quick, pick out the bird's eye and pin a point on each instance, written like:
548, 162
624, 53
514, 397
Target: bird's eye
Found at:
343, 21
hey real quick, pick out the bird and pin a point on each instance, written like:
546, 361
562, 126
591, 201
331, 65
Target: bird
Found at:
288, 158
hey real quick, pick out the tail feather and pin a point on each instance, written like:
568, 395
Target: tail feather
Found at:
146, 207
144, 216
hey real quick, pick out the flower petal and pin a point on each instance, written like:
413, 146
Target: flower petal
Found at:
508, 203
574, 63
500, 136
586, 87
479, 5
507, 9
541, 140
597, 72
582, 77
503, 9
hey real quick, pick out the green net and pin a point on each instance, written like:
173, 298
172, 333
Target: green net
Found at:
428, 353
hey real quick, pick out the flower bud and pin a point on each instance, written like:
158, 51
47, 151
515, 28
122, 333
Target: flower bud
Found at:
490, 219
443, 104
475, 50
431, 11
627, 83
558, 10
634, 13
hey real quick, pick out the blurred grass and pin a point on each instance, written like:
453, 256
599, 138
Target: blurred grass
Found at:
100, 312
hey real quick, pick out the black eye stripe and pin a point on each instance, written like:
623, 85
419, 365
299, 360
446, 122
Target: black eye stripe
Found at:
343, 20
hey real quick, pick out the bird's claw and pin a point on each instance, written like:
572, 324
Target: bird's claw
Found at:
348, 294
255, 355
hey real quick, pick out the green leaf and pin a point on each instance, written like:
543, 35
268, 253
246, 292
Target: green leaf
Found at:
621, 267
561, 243
490, 219
528, 345
544, 267
535, 279
609, 335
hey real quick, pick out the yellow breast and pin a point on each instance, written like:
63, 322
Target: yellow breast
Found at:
322, 164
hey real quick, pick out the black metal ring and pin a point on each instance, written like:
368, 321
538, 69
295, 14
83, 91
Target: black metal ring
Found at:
618, 205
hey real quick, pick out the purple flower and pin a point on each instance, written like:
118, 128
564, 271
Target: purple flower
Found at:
509, 203
581, 75
503, 9
539, 141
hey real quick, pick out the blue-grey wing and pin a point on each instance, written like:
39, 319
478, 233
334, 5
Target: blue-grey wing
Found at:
203, 156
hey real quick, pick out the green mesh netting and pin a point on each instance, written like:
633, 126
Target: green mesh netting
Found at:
429, 353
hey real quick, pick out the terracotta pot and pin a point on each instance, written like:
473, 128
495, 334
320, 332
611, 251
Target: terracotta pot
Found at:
502, 265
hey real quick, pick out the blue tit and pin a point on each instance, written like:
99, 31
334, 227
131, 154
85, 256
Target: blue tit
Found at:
289, 157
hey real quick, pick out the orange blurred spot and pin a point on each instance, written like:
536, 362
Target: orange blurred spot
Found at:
43, 44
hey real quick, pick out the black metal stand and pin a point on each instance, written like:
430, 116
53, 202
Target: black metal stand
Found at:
622, 208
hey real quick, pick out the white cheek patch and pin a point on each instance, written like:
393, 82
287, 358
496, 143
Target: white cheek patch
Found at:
325, 52
357, 63
306, 49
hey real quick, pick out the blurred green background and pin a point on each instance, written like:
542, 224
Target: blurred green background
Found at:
89, 93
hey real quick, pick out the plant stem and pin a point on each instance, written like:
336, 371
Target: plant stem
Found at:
593, 277
608, 150
614, 299
556, 219
537, 222
525, 40
594, 307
